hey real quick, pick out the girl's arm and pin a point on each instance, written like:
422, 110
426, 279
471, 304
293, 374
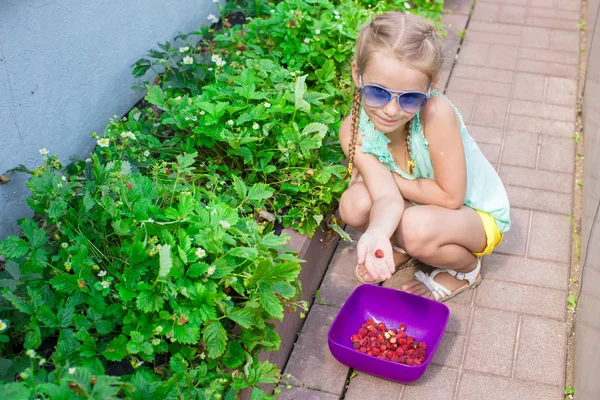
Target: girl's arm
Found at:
386, 211
442, 130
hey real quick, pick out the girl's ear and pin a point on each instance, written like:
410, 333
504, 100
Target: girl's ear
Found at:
355, 73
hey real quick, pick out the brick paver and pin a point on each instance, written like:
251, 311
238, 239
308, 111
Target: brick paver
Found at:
515, 82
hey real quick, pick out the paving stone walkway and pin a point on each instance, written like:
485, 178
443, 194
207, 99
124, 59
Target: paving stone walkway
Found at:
515, 83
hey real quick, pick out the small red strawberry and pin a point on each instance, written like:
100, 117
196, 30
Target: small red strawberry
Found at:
423, 345
183, 320
292, 23
379, 253
81, 284
354, 338
370, 322
93, 380
129, 186
402, 327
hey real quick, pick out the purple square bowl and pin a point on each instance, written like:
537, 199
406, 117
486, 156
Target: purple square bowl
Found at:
425, 320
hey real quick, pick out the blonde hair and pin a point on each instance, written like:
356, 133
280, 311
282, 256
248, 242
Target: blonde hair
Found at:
412, 40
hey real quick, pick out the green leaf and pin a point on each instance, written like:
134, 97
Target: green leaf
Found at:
66, 313
13, 247
195, 270
65, 283
260, 191
35, 235
284, 289
47, 316
249, 253
178, 363
215, 337
318, 127
166, 263
240, 187
18, 303
16, 391
266, 373
186, 334
327, 72
343, 234
33, 337
300, 103
116, 349
270, 302
148, 301
13, 269
156, 96
244, 317
57, 208
234, 356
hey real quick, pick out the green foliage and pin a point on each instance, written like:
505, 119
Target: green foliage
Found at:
146, 272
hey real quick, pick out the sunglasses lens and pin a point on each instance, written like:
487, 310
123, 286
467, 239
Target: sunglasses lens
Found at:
374, 96
411, 102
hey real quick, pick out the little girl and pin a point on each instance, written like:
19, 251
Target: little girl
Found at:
420, 187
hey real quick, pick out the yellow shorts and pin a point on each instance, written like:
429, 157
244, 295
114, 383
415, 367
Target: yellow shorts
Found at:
494, 236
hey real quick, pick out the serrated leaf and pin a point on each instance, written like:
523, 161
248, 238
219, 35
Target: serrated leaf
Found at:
327, 72
148, 301
47, 316
178, 363
33, 337
14, 390
239, 186
64, 283
195, 270
116, 350
249, 253
166, 262
13, 247
260, 191
300, 89
234, 356
318, 127
66, 313
284, 289
35, 235
13, 269
270, 302
186, 334
57, 208
18, 303
244, 317
215, 337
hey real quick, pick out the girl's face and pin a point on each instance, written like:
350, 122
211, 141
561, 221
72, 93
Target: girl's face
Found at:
387, 71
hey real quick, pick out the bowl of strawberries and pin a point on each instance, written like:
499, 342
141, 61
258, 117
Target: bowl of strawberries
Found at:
388, 333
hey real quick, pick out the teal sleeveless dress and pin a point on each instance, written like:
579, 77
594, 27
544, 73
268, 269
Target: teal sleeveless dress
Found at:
485, 191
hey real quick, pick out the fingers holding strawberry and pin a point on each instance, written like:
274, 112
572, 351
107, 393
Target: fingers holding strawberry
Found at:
374, 251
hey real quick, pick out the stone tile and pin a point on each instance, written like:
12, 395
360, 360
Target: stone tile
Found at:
547, 111
515, 241
459, 318
484, 74
437, 383
486, 11
495, 38
557, 154
376, 388
481, 87
311, 355
536, 37
478, 387
513, 2
520, 148
536, 179
561, 91
541, 351
491, 152
526, 271
295, 393
521, 299
571, 5
491, 111
546, 12
561, 57
339, 281
540, 200
473, 53
492, 337
449, 352
512, 14
542, 3
458, 6
463, 299
494, 27
550, 237
548, 68
485, 134
565, 40
540, 125
503, 56
529, 87
551, 23
464, 102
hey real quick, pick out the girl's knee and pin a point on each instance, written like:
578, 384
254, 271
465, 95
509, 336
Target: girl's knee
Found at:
355, 205
416, 233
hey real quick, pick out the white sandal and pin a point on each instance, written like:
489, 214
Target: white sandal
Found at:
442, 293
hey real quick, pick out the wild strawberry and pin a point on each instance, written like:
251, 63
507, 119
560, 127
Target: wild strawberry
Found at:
417, 362
369, 353
363, 342
81, 284
382, 348
423, 345
394, 358
410, 339
242, 48
354, 338
371, 328
410, 361
292, 23
401, 341
393, 340
380, 339
356, 345
405, 347
183, 320
402, 327
363, 331
399, 351
393, 346
93, 380
363, 349
129, 186
379, 253
375, 351
381, 327
401, 334
389, 355
370, 322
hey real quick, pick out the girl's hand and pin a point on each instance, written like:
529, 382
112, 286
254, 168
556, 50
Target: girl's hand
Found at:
370, 246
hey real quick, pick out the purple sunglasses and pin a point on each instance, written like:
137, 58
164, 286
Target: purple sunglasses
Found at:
377, 97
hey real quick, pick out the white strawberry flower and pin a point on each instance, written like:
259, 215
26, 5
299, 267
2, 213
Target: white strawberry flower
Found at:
255, 126
183, 49
221, 63
72, 371
306, 40
317, 32
407, 6
105, 284
188, 60
215, 57
63, 178
104, 142
30, 353
212, 18
3, 325
42, 361
200, 252
130, 135
44, 151
211, 270
267, 104
123, 135
230, 122
102, 273
146, 153
202, 356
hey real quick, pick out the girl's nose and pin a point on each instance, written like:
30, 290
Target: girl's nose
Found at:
392, 107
